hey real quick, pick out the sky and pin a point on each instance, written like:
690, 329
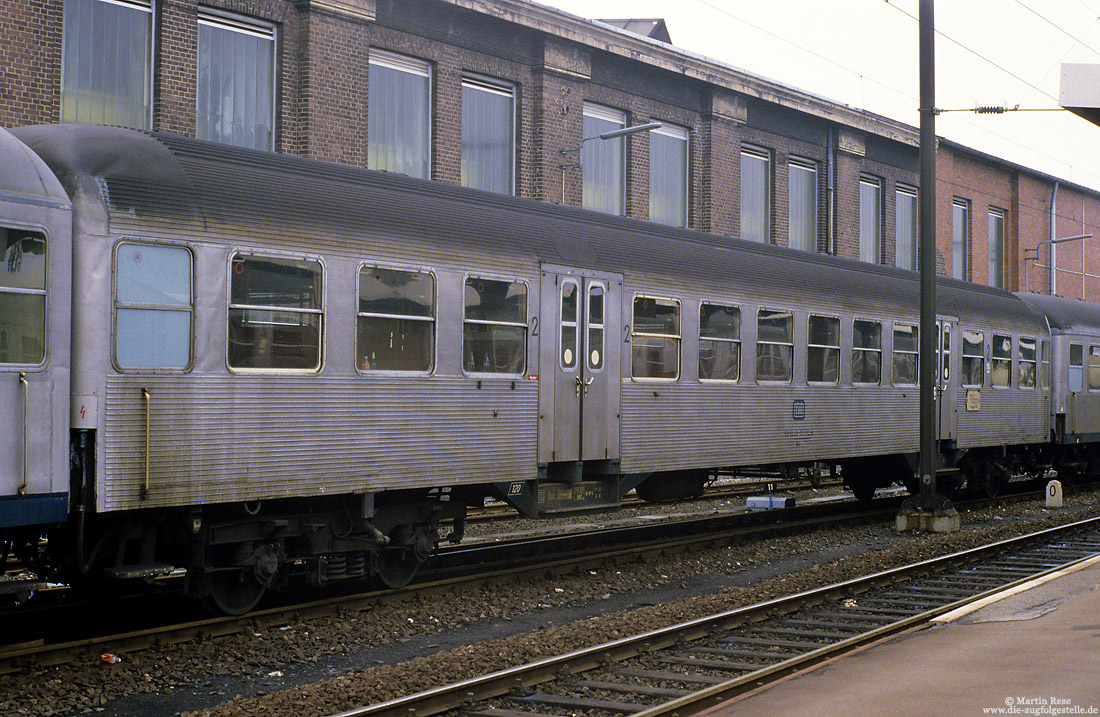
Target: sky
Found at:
864, 53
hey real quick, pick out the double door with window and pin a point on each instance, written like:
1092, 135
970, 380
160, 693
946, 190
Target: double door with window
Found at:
580, 358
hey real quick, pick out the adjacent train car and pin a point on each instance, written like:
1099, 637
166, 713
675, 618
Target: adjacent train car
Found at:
282, 368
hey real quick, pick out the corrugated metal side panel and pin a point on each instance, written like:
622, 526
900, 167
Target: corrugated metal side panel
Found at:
1007, 417
696, 425
246, 438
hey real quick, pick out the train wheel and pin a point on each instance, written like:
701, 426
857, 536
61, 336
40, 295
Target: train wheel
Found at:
863, 491
397, 566
233, 592
410, 545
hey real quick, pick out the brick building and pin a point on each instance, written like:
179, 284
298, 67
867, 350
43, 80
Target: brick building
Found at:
507, 95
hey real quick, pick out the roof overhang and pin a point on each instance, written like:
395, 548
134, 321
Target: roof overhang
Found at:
1079, 91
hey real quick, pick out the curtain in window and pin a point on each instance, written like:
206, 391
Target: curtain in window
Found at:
803, 207
870, 220
397, 115
603, 162
960, 228
755, 197
106, 63
905, 226
488, 114
236, 83
668, 174
996, 248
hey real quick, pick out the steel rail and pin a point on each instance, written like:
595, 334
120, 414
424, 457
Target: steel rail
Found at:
498, 684
478, 564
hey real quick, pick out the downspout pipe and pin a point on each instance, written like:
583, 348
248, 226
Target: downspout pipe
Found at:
1053, 282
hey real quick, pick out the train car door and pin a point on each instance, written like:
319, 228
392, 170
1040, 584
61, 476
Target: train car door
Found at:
580, 365
35, 301
946, 385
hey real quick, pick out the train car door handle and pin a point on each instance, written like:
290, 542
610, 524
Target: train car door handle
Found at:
26, 423
581, 383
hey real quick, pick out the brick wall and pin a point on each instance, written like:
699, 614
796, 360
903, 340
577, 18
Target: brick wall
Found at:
30, 62
322, 97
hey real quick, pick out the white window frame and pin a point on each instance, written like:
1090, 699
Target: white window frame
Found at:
256, 28
503, 89
681, 134
798, 164
412, 66
870, 244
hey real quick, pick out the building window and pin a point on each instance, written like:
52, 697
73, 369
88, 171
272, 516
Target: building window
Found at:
22, 297
494, 327
488, 135
866, 352
398, 126
153, 306
802, 205
655, 338
1001, 361
973, 358
236, 82
668, 176
1028, 362
996, 247
906, 353
823, 350
603, 161
719, 342
870, 220
395, 327
905, 228
107, 65
774, 345
960, 238
274, 313
756, 194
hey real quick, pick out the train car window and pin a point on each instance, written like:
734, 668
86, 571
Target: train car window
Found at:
719, 342
275, 313
1028, 364
655, 338
1045, 368
906, 353
23, 297
1094, 368
567, 346
1001, 365
596, 320
395, 328
946, 353
1076, 368
866, 352
494, 332
154, 305
973, 358
823, 350
774, 345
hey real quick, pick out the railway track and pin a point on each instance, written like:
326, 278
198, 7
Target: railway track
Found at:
497, 562
686, 668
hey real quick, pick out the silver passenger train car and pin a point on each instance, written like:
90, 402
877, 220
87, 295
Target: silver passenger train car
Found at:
258, 367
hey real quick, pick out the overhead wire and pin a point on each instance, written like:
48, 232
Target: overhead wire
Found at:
981, 127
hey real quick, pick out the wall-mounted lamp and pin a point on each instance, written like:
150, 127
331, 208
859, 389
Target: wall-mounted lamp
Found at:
606, 135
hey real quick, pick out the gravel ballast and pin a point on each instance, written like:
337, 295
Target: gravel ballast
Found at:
324, 666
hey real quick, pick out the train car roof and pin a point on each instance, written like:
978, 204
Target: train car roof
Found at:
24, 177
165, 175
1070, 316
